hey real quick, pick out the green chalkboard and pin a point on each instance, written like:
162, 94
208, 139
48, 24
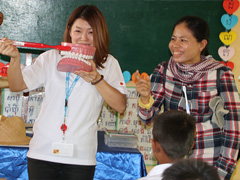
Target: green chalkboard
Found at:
140, 30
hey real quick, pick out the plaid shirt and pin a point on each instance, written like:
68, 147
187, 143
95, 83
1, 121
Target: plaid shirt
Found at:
217, 146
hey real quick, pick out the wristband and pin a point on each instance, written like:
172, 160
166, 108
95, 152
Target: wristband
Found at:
146, 106
101, 78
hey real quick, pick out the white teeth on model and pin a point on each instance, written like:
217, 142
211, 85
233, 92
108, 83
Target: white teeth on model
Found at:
87, 62
80, 57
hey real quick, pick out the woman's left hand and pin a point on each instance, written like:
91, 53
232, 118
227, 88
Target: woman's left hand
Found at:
92, 76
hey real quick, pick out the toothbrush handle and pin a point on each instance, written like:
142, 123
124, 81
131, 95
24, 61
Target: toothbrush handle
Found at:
39, 45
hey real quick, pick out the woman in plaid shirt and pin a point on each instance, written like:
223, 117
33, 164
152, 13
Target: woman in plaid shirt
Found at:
190, 85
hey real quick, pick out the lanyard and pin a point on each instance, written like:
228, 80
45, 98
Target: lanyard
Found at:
68, 91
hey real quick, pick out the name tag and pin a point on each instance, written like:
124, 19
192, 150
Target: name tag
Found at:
62, 149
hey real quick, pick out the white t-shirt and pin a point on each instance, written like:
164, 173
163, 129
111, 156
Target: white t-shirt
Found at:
84, 107
156, 172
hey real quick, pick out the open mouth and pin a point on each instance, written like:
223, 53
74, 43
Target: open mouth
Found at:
77, 58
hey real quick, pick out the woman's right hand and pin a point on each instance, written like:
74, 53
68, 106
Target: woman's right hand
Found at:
143, 87
8, 49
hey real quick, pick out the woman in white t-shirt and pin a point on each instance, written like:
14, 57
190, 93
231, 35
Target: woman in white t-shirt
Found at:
64, 144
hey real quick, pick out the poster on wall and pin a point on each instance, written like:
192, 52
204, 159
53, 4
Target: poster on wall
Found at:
108, 118
35, 99
129, 122
11, 103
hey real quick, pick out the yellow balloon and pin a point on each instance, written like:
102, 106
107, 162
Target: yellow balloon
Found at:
228, 37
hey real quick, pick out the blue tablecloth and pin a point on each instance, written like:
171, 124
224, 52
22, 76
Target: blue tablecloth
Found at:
112, 163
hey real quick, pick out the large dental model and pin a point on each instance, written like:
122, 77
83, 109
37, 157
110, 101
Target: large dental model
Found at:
77, 58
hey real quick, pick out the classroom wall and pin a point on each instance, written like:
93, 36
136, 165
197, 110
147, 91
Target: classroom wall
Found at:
140, 30
236, 45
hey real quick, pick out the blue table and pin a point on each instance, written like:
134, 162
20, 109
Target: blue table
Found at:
112, 163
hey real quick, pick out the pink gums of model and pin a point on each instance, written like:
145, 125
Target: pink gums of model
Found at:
77, 58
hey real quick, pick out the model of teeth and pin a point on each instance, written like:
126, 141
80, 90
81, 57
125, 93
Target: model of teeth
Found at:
77, 58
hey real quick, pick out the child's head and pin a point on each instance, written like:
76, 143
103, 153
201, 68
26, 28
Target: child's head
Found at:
174, 131
194, 169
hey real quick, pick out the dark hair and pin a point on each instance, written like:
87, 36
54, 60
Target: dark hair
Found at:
190, 169
198, 27
175, 132
95, 18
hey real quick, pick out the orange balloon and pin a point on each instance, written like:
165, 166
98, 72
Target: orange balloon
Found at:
134, 79
144, 75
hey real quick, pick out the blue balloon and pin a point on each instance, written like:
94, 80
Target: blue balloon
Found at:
127, 76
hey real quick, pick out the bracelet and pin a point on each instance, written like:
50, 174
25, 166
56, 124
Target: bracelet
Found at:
146, 106
94, 83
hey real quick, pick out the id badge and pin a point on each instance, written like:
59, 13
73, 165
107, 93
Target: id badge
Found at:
62, 149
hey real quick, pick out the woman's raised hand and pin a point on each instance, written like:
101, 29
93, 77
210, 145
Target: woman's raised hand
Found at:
143, 87
89, 76
8, 49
